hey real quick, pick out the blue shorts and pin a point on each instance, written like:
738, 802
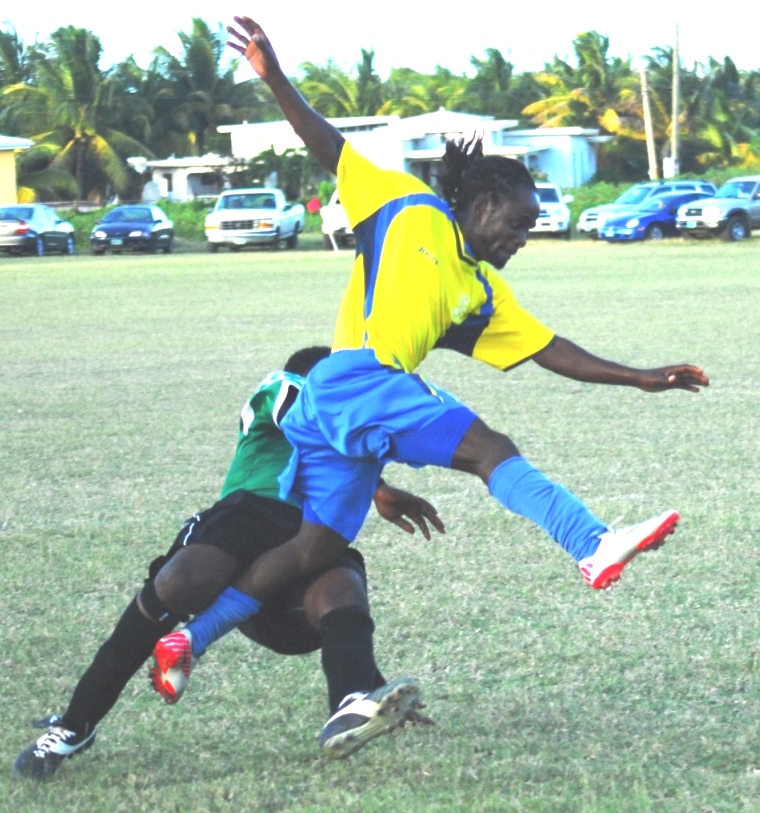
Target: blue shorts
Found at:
352, 417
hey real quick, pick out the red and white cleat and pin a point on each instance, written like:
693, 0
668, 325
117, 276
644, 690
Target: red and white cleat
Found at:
618, 547
174, 661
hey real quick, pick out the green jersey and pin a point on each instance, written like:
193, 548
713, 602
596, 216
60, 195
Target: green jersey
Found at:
262, 451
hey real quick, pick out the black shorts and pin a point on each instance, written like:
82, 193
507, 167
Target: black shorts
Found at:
245, 526
241, 524
280, 625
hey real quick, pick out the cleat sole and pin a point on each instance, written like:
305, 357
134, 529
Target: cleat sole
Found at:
394, 706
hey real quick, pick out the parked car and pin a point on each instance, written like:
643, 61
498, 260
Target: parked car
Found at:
653, 219
34, 229
554, 217
249, 217
592, 220
732, 213
335, 223
137, 227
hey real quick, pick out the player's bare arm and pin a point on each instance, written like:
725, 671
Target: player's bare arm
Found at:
394, 505
568, 359
319, 136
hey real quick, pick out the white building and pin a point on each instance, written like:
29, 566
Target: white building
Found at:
566, 155
181, 179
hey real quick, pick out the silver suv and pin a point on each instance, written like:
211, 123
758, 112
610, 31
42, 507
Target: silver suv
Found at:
732, 213
592, 220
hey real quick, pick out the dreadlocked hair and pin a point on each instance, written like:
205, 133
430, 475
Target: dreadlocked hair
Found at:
468, 174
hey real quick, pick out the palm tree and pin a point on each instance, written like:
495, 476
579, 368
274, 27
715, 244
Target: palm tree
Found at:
69, 107
197, 91
582, 95
411, 93
330, 89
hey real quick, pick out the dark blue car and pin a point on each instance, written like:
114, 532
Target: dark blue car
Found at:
139, 227
653, 219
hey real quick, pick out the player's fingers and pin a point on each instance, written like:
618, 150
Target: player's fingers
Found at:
435, 520
405, 525
422, 525
238, 48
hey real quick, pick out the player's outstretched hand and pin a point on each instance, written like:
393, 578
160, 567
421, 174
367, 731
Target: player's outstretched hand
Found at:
394, 505
254, 45
677, 377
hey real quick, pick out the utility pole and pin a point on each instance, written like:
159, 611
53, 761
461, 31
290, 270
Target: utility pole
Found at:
651, 152
674, 145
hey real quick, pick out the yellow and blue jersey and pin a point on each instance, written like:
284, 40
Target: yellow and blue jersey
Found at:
414, 285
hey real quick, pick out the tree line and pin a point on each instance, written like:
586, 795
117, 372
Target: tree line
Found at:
85, 121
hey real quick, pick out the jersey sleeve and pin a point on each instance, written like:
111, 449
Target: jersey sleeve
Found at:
363, 187
512, 335
501, 334
269, 404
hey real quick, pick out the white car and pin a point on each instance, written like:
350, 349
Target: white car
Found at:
555, 216
335, 225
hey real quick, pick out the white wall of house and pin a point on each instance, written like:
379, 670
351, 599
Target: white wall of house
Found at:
567, 155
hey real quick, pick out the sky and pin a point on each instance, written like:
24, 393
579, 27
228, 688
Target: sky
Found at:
410, 33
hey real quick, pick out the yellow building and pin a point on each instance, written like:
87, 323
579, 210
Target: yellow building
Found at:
8, 148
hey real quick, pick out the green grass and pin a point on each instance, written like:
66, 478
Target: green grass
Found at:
120, 382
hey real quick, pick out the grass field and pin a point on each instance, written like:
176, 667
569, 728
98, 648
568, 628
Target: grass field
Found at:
120, 384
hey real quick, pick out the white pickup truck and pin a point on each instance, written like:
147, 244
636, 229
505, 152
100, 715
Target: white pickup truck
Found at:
250, 217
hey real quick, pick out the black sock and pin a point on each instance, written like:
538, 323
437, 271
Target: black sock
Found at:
348, 656
117, 660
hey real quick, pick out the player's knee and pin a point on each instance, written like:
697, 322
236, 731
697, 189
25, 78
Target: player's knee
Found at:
154, 608
338, 589
482, 449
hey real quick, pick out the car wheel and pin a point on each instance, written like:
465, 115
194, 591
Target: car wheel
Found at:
567, 234
169, 247
276, 242
293, 239
98, 252
69, 248
736, 229
151, 247
39, 247
234, 248
655, 232
212, 248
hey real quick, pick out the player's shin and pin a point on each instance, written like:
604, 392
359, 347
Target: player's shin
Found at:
524, 490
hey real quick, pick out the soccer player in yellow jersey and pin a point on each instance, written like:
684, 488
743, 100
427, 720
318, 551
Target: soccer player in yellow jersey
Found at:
425, 276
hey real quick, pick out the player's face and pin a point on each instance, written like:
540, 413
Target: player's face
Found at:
500, 230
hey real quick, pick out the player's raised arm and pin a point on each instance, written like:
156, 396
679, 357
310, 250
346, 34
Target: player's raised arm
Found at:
319, 136
566, 358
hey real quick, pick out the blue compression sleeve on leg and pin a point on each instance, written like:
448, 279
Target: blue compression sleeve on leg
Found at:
524, 490
228, 610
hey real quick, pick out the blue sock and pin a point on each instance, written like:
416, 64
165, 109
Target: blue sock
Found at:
228, 610
524, 490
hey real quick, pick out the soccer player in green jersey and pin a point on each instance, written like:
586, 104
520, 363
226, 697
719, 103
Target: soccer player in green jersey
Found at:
328, 611
425, 276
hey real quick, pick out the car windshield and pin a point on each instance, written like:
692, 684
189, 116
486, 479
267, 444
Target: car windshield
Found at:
634, 195
548, 194
16, 213
135, 214
255, 201
736, 189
